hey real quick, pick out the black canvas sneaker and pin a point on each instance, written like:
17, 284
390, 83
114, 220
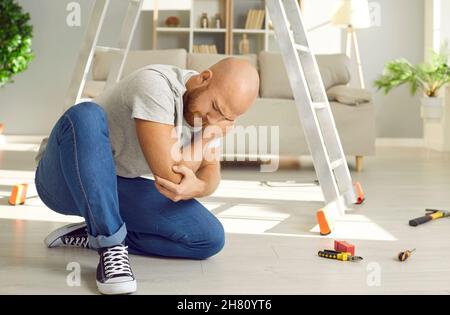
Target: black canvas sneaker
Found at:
72, 235
114, 274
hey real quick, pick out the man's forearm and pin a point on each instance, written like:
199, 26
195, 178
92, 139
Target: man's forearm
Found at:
162, 152
209, 174
193, 154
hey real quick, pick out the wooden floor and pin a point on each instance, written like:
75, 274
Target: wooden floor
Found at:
270, 248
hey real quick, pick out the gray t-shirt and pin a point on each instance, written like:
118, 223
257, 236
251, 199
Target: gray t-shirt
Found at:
153, 93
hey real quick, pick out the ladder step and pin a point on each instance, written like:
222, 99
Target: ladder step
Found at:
109, 49
302, 48
319, 105
335, 164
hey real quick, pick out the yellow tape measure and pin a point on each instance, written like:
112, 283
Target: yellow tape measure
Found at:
342, 256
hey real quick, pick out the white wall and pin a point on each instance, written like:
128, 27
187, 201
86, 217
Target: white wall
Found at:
34, 102
400, 34
445, 20
437, 25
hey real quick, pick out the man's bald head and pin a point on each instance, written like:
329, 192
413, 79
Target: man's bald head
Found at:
221, 93
238, 80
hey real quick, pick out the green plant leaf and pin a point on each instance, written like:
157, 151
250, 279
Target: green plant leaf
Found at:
16, 35
428, 77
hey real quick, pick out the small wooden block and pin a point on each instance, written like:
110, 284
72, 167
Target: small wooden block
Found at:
341, 246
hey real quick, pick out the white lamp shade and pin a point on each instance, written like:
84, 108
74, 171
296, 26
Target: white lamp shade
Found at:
167, 5
352, 12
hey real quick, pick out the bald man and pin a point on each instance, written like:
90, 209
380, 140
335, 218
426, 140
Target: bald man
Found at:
160, 120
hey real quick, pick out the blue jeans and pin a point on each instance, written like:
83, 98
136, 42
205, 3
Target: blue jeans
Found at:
77, 176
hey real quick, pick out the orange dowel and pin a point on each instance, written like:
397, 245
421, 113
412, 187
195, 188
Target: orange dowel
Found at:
359, 194
324, 224
18, 194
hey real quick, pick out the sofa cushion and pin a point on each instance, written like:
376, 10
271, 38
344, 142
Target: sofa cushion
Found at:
274, 80
137, 59
334, 69
200, 62
349, 95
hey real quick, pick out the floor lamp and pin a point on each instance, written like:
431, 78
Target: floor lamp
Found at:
353, 15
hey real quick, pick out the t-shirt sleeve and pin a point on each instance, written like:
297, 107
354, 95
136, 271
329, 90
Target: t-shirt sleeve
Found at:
151, 98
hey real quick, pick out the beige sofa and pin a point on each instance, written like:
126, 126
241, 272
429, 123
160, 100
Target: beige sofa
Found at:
352, 108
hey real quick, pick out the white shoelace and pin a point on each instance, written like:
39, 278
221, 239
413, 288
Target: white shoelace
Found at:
116, 261
78, 241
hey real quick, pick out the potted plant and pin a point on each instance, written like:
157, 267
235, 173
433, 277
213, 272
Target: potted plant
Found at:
427, 77
15, 41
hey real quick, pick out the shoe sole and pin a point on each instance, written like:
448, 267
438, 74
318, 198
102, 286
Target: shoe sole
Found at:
56, 234
117, 288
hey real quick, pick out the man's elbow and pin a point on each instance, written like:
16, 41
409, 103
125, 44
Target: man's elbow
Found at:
169, 174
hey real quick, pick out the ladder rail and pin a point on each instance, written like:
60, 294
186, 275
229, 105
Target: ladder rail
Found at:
325, 116
89, 47
125, 38
303, 97
86, 53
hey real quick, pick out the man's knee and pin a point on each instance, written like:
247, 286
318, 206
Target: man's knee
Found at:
86, 111
213, 244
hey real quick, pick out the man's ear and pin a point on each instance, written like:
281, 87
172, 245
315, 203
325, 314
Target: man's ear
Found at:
206, 76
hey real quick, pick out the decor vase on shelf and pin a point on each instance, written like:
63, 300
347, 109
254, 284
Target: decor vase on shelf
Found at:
218, 21
244, 45
204, 22
172, 21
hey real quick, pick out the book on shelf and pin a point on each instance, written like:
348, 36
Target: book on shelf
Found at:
260, 19
204, 49
213, 49
249, 18
255, 19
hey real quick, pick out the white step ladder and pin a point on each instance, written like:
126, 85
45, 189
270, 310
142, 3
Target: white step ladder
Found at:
314, 112
89, 47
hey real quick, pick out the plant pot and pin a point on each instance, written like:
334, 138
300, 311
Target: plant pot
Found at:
432, 107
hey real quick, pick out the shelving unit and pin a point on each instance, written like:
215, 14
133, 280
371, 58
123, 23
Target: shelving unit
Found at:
256, 37
210, 30
233, 14
189, 32
173, 29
